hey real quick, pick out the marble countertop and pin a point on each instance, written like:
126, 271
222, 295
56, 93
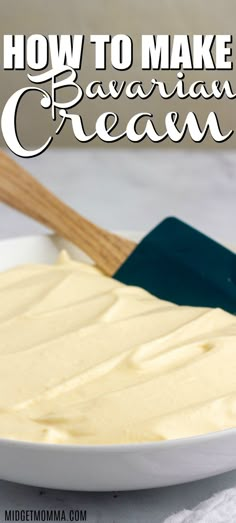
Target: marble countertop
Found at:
120, 189
131, 190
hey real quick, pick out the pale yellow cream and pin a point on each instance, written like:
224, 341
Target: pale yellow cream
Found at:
87, 360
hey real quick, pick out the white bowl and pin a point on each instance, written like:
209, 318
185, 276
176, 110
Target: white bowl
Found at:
106, 467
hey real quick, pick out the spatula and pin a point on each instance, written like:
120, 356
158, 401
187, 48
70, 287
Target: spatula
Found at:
178, 263
174, 261
21, 191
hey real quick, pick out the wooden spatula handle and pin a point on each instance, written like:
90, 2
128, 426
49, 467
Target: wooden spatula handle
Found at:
22, 192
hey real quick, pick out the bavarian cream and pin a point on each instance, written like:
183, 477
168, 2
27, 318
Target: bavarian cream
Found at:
87, 360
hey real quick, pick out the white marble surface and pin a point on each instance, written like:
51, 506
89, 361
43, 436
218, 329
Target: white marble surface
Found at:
131, 190
135, 190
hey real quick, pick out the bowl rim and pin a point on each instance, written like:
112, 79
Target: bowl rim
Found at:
207, 437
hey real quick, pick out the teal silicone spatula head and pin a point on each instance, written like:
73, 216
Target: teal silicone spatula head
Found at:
177, 263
